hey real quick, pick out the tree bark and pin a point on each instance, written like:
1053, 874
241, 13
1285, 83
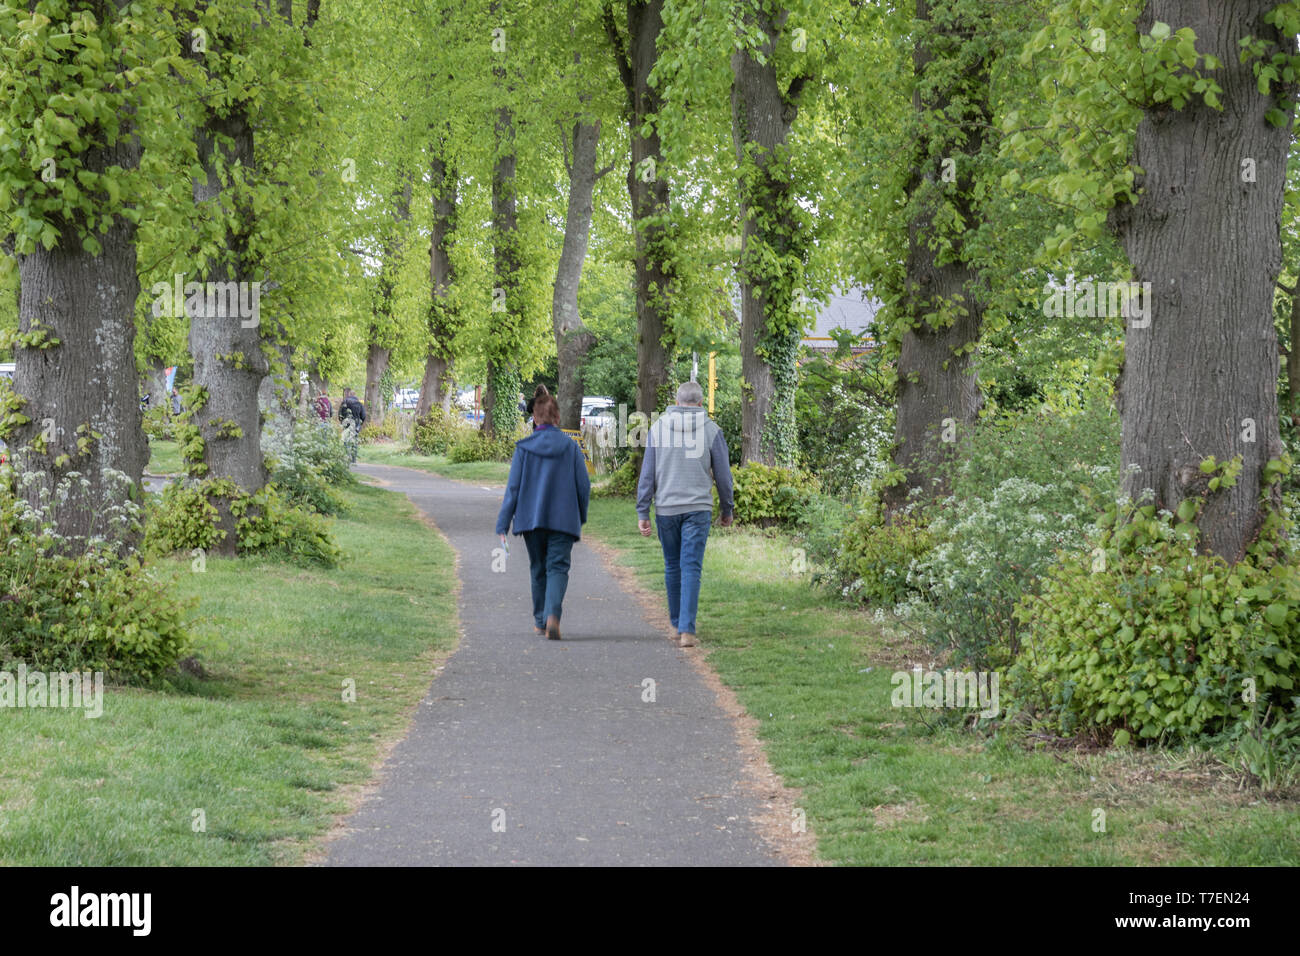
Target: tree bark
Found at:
382, 332
761, 117
155, 383
649, 193
86, 386
1293, 356
377, 357
500, 412
436, 387
938, 393
227, 346
572, 338
1200, 370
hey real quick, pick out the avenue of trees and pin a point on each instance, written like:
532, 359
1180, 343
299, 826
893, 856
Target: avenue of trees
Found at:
1093, 194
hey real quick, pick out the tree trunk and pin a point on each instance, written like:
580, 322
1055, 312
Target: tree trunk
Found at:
572, 338
383, 328
86, 386
1293, 356
226, 344
1200, 367
761, 116
436, 387
648, 191
155, 383
500, 409
943, 306
377, 357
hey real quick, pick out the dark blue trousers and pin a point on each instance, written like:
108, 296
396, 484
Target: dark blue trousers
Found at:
548, 561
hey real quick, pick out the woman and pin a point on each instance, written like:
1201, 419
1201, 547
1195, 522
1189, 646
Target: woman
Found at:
546, 497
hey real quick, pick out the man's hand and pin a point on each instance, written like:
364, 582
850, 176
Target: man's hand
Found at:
644, 525
725, 521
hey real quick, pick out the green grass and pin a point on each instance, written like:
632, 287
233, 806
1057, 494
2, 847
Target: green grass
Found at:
164, 458
475, 472
882, 787
267, 748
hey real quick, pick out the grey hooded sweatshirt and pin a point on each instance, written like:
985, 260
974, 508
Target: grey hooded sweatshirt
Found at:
685, 454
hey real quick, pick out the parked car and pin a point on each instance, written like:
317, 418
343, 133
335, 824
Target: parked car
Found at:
600, 412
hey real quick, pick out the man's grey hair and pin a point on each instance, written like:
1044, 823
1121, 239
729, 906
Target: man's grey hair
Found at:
690, 393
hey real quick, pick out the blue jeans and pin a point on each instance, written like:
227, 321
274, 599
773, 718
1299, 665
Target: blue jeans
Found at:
683, 538
548, 561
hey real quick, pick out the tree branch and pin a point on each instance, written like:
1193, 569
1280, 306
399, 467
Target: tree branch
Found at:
621, 58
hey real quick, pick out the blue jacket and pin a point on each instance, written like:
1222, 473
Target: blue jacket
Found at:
548, 486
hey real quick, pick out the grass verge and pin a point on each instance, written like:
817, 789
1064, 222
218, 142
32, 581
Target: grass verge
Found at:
475, 472
164, 458
266, 752
884, 786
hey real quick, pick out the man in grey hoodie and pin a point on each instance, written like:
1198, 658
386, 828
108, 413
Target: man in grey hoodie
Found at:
685, 454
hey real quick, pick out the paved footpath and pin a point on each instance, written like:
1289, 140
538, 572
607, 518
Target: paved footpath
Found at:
534, 752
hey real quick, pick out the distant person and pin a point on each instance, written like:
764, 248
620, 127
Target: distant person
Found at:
353, 415
546, 498
176, 402
351, 408
685, 455
324, 407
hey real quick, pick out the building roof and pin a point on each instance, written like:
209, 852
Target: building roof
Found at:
851, 309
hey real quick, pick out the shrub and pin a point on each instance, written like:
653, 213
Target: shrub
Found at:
622, 483
376, 431
266, 523
158, 424
313, 461
1146, 637
184, 518
475, 446
89, 611
766, 495
845, 420
871, 562
1075, 456
821, 524
435, 433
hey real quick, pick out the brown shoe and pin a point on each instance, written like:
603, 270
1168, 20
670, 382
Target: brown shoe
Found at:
540, 630
685, 640
552, 628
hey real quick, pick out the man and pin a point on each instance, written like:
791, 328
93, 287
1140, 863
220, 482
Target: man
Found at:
353, 415
685, 455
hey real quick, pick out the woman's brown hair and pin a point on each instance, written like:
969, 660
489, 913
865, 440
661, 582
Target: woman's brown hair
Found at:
546, 410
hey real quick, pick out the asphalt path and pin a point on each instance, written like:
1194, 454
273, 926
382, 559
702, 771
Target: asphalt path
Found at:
605, 748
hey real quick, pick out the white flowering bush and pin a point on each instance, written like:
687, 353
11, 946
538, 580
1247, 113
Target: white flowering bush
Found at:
308, 463
988, 553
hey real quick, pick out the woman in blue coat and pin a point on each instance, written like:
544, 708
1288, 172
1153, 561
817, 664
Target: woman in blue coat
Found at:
546, 497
